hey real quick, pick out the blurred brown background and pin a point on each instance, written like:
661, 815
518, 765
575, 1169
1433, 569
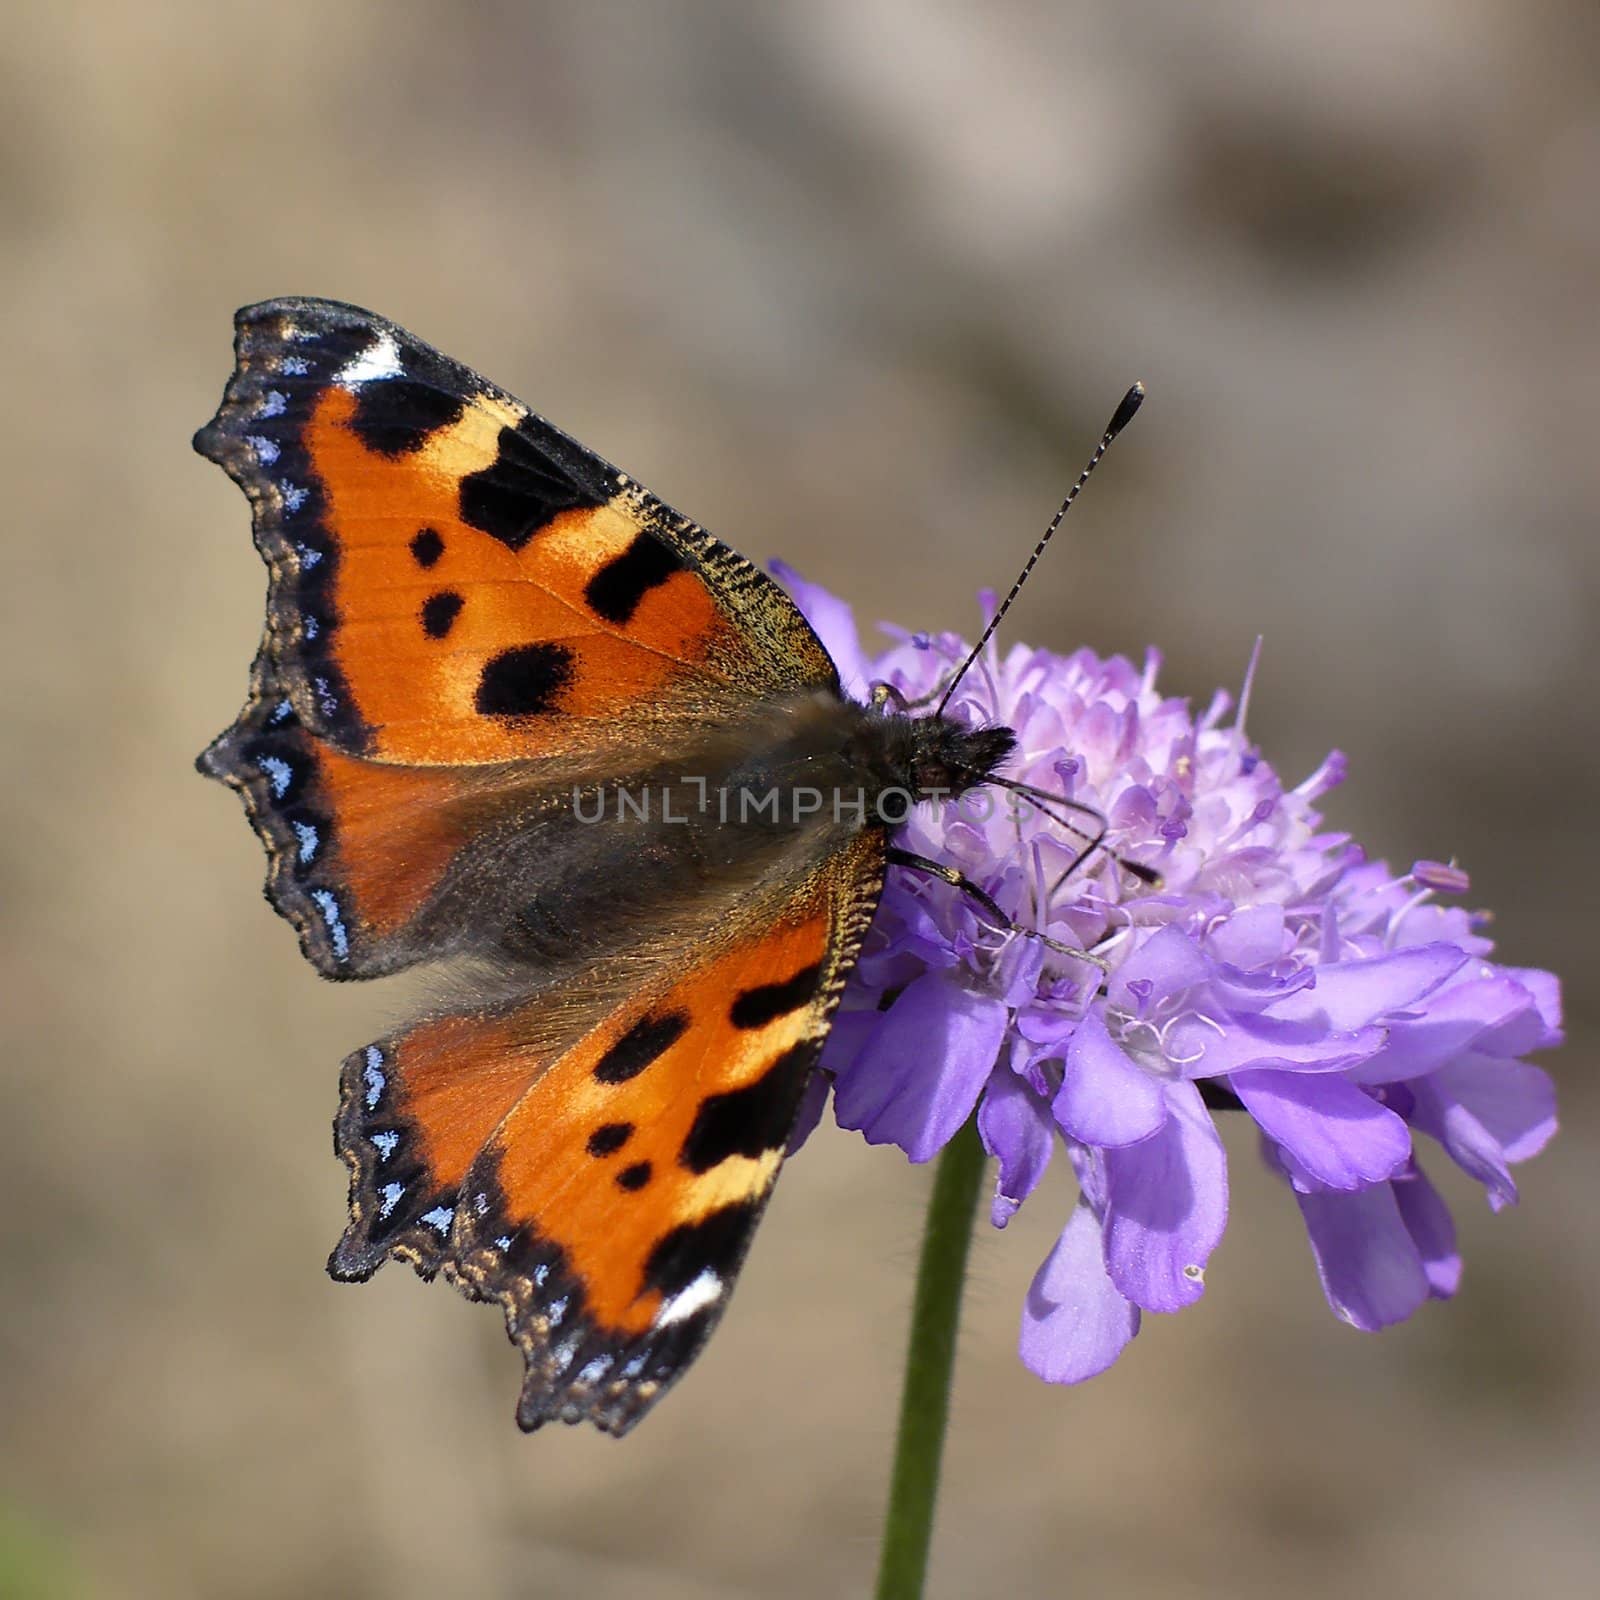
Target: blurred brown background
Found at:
856, 283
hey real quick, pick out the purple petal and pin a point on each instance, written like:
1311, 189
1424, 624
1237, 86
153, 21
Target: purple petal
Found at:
1167, 963
1048, 1021
1339, 1135
1516, 1102
1167, 1204
1370, 1267
1537, 1027
1203, 1049
834, 624
1487, 1114
919, 1075
1090, 1168
1351, 994
1014, 1124
1545, 987
1454, 1018
1250, 938
1433, 1231
847, 1038
1106, 1099
1016, 975
1242, 991
1074, 1323
813, 1101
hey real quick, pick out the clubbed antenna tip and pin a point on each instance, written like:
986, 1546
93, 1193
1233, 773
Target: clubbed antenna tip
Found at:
1124, 413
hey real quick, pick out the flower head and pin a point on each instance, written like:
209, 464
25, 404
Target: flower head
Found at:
1271, 968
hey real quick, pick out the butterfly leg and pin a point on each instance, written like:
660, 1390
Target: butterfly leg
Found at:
948, 874
883, 693
1037, 798
959, 880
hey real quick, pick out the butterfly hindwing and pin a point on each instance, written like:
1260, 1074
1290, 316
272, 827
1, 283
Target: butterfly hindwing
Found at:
618, 1178
415, 1110
356, 849
454, 580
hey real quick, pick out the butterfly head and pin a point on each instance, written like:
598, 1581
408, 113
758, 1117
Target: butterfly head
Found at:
936, 757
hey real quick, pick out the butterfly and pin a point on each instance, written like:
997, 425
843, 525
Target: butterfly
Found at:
479, 635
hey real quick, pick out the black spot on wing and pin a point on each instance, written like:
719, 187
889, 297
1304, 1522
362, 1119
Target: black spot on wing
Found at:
536, 475
751, 1120
395, 416
427, 547
646, 1041
616, 590
439, 612
634, 1177
717, 1241
525, 681
755, 1008
609, 1138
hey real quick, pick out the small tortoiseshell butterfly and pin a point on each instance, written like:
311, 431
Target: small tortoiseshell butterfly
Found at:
476, 628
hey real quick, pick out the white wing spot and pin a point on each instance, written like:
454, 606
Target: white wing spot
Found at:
375, 1080
308, 557
279, 774
293, 496
274, 405
391, 1197
594, 1371
385, 1143
503, 1242
540, 1273
561, 1356
337, 936
558, 1311
440, 1217
704, 1291
379, 360
295, 366
309, 840
266, 449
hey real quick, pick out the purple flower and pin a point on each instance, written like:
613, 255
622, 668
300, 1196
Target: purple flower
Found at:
1273, 969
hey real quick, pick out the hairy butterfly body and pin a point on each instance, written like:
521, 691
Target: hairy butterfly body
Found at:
514, 716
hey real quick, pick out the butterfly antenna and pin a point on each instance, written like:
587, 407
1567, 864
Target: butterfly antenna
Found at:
1123, 415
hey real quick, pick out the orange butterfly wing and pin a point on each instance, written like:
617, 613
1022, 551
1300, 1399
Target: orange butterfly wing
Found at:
603, 1190
466, 607
454, 580
355, 849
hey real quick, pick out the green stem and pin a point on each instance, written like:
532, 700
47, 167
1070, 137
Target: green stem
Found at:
930, 1356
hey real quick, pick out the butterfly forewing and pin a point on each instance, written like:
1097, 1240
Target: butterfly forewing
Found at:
454, 580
